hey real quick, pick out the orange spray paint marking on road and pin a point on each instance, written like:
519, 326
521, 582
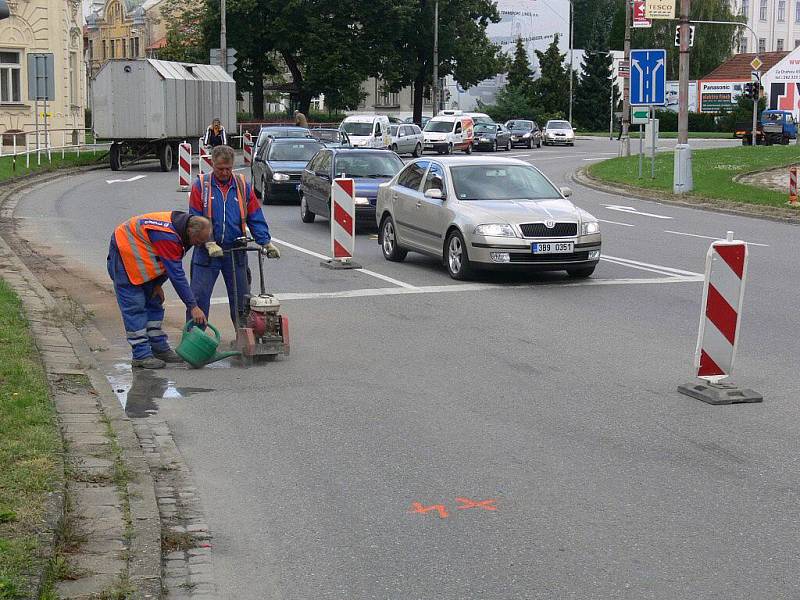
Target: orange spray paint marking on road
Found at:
484, 504
417, 507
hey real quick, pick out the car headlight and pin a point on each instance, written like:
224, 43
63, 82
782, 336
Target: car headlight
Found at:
495, 230
591, 227
360, 200
280, 177
527, 135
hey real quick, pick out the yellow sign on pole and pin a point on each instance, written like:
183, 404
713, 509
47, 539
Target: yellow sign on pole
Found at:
659, 9
756, 63
48, 115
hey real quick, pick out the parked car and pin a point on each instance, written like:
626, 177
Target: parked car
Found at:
369, 168
558, 132
485, 213
332, 138
424, 121
279, 131
491, 136
367, 131
407, 139
525, 133
278, 166
446, 133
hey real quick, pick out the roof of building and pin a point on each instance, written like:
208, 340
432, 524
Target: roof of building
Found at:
738, 67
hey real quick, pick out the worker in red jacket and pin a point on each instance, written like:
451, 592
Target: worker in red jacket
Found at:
144, 252
229, 203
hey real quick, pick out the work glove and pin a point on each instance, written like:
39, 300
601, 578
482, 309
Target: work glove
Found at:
214, 250
271, 250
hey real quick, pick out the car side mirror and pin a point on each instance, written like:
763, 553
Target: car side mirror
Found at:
434, 194
566, 192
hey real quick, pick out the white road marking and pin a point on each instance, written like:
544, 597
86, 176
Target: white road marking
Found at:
134, 178
633, 211
645, 266
708, 237
595, 158
466, 287
517, 155
386, 278
616, 223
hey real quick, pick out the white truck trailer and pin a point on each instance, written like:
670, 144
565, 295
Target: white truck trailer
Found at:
146, 107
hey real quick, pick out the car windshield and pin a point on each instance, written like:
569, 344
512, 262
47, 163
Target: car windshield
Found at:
487, 120
558, 125
368, 164
521, 125
327, 135
501, 182
283, 132
393, 129
355, 128
295, 151
439, 126
485, 128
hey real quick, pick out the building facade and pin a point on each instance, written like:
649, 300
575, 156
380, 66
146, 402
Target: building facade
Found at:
776, 24
47, 27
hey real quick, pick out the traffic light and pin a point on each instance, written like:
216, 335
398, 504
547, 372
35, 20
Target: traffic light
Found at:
748, 90
678, 35
4, 10
756, 90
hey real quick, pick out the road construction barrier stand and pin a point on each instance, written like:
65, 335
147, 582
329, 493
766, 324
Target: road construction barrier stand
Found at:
723, 291
247, 147
793, 186
184, 167
343, 224
205, 164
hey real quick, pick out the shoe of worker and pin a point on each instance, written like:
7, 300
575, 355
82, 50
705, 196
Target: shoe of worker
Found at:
151, 362
168, 356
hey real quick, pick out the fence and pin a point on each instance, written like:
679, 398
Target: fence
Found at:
28, 143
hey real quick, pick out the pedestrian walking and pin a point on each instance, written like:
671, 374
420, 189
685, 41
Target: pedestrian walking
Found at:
215, 135
228, 201
300, 119
143, 253
619, 124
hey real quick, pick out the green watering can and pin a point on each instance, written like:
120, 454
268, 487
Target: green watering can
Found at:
199, 349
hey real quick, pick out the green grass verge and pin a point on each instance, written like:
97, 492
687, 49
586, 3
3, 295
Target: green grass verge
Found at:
29, 448
666, 135
713, 169
71, 159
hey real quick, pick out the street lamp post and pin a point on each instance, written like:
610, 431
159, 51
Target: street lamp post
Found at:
435, 86
223, 43
571, 45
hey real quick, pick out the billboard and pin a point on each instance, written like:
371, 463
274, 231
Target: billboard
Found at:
782, 84
672, 96
716, 96
536, 22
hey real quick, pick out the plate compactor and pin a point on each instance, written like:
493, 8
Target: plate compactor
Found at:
261, 331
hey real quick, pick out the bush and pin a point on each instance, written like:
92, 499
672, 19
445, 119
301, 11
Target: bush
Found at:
668, 121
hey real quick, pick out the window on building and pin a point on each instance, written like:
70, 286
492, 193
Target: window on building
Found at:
762, 45
763, 10
745, 8
781, 11
797, 11
10, 69
743, 45
383, 97
111, 47
136, 47
91, 50
74, 81
105, 50
779, 45
123, 43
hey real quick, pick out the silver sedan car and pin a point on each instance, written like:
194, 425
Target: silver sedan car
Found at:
485, 213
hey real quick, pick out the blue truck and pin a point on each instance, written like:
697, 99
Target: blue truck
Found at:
774, 127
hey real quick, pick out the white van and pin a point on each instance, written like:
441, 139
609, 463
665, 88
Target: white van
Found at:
476, 116
446, 133
367, 131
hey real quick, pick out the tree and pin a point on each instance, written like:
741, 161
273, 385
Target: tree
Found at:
520, 74
512, 103
464, 50
551, 90
594, 88
186, 41
592, 17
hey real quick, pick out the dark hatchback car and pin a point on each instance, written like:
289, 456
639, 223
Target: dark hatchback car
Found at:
369, 169
271, 132
278, 166
491, 136
525, 133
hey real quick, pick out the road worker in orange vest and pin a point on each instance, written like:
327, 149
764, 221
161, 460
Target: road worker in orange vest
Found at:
144, 252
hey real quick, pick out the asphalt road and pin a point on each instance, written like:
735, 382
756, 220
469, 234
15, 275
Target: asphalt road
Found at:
520, 437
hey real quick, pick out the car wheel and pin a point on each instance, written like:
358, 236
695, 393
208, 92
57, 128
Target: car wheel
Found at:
417, 151
165, 156
456, 257
306, 216
529, 145
449, 149
264, 198
508, 146
580, 273
115, 155
394, 148
387, 238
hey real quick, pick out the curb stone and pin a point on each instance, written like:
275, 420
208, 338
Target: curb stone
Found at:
756, 211
65, 354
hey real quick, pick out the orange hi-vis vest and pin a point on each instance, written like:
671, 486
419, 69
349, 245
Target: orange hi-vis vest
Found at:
141, 262
208, 204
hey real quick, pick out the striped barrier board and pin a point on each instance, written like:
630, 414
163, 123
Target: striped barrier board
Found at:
184, 167
247, 147
206, 166
343, 219
793, 186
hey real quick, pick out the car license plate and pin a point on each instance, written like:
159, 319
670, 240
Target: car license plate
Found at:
552, 247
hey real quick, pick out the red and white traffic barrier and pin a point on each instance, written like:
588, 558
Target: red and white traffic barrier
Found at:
206, 166
793, 186
343, 219
247, 147
726, 269
184, 167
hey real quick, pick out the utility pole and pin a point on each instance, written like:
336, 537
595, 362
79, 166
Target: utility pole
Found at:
682, 173
435, 86
626, 83
223, 43
571, 45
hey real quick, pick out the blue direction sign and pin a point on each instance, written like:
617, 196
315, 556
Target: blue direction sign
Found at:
648, 77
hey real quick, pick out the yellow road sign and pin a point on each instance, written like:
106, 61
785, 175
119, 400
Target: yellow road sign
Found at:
659, 9
756, 63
